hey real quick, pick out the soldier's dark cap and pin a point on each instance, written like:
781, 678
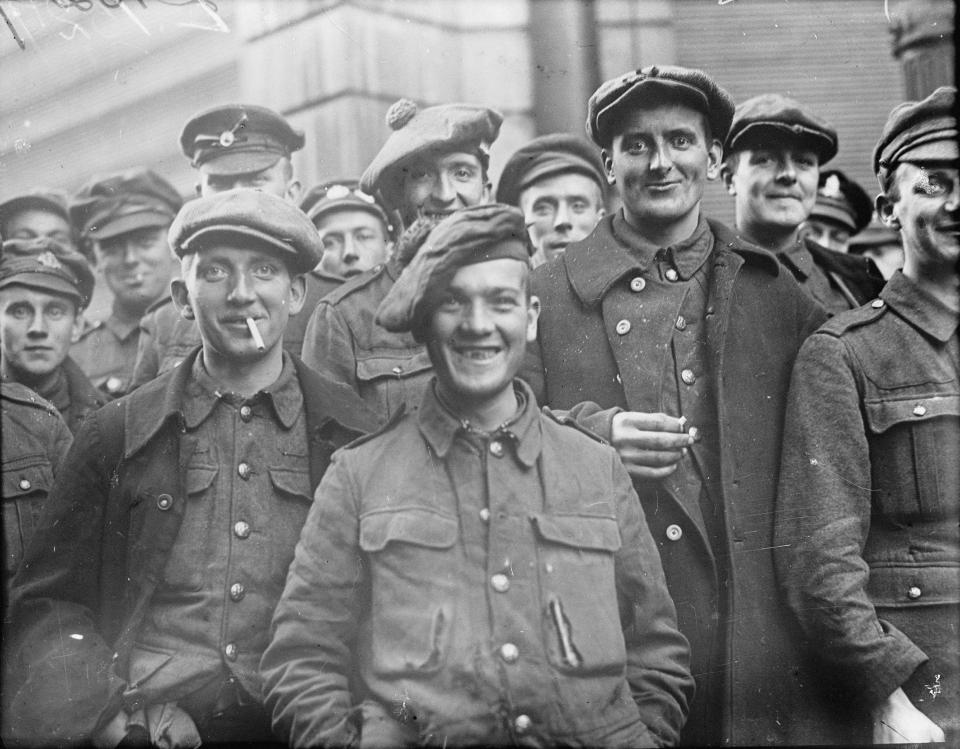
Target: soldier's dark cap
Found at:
472, 235
339, 195
843, 201
244, 215
549, 156
918, 132
39, 198
877, 234
114, 204
775, 117
414, 132
238, 139
45, 264
652, 86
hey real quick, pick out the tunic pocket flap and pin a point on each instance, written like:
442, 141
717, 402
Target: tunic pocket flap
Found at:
579, 531
393, 367
418, 526
200, 478
29, 477
914, 585
883, 414
295, 483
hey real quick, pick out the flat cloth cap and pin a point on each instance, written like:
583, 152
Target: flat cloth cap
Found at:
339, 195
472, 235
843, 201
40, 198
777, 115
548, 156
238, 139
248, 214
416, 131
655, 85
917, 132
47, 265
114, 204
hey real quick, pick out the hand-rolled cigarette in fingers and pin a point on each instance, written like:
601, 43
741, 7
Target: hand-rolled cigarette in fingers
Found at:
255, 333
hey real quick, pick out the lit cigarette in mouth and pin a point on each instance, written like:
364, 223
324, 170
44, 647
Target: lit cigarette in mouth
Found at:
255, 333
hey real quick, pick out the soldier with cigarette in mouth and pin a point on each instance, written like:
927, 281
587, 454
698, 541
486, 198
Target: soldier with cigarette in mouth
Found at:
143, 607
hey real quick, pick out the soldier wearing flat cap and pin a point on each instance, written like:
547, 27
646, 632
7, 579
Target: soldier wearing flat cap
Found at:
867, 519
44, 288
421, 565
773, 154
123, 218
557, 180
230, 146
434, 162
41, 213
674, 339
842, 210
143, 605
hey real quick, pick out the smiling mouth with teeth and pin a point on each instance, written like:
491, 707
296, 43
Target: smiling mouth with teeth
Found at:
478, 354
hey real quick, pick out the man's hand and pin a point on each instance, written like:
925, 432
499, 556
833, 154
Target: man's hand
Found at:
897, 721
649, 445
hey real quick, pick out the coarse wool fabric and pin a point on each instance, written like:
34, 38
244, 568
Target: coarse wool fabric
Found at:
783, 118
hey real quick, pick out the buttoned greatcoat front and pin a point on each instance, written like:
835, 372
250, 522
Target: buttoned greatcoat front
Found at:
756, 319
103, 543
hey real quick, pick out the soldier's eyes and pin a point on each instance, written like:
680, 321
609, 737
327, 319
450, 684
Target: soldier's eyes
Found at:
932, 184
213, 273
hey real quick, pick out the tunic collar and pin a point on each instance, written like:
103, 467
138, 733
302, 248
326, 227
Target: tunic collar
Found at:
202, 394
920, 308
440, 427
121, 329
686, 256
798, 259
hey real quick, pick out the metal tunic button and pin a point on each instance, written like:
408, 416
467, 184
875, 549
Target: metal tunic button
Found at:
688, 376
681, 323
674, 532
876, 303
509, 652
164, 502
500, 583
230, 651
244, 471
522, 724
919, 409
914, 593
671, 274
237, 592
637, 284
113, 384
623, 327
241, 529
485, 515
397, 370
24, 484
246, 413
496, 448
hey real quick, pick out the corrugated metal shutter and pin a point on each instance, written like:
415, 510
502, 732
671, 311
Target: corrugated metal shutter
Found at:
833, 55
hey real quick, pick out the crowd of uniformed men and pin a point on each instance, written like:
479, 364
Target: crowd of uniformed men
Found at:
312, 496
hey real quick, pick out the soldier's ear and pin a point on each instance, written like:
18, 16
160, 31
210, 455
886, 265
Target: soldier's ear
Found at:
886, 213
181, 298
607, 158
294, 190
298, 294
714, 159
726, 174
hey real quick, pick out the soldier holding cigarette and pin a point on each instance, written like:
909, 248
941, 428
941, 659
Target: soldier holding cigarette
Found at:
143, 605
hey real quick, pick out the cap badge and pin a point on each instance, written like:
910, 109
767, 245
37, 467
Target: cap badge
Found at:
49, 260
831, 187
227, 138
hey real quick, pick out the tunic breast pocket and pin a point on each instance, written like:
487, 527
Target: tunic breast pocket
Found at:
26, 484
392, 379
915, 450
184, 570
580, 610
291, 488
413, 586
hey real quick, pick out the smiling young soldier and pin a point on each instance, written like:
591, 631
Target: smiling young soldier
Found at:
558, 182
773, 154
124, 217
231, 146
44, 287
434, 163
143, 604
868, 541
684, 336
485, 570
